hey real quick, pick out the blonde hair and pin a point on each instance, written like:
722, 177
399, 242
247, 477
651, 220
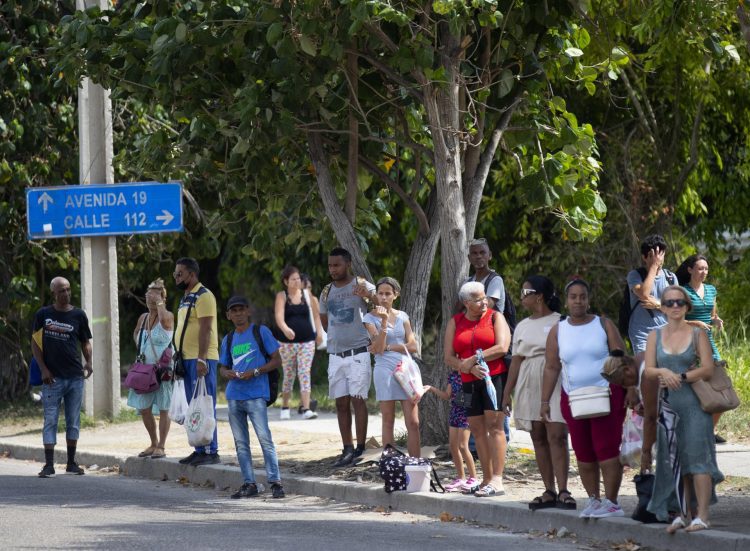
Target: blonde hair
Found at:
613, 370
158, 283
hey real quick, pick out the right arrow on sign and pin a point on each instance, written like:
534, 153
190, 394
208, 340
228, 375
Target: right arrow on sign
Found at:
165, 217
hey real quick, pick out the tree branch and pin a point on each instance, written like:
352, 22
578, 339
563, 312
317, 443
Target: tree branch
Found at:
352, 188
389, 73
424, 225
650, 132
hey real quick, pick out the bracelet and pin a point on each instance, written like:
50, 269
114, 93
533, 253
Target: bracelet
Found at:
202, 361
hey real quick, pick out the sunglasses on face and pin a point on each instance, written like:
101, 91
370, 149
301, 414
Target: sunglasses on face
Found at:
527, 292
672, 302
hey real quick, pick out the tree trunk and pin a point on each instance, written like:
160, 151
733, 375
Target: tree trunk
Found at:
352, 173
441, 104
342, 228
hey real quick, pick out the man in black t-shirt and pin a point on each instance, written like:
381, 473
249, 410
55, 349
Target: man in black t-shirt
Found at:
59, 330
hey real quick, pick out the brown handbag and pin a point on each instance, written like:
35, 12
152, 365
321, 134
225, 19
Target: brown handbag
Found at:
716, 395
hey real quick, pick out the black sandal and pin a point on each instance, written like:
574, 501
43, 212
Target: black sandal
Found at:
566, 502
540, 503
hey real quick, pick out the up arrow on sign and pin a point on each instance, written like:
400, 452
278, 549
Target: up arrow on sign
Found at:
45, 200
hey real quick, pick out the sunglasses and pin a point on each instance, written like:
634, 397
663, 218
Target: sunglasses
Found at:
527, 292
672, 302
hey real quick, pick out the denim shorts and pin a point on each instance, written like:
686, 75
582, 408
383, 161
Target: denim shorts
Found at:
63, 391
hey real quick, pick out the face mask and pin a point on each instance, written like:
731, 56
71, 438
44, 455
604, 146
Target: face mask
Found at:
182, 285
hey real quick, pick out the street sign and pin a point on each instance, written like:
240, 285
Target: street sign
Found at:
103, 209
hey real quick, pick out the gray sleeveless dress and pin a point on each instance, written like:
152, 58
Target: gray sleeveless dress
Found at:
694, 431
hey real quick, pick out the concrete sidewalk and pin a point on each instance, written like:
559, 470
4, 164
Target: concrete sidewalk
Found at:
119, 444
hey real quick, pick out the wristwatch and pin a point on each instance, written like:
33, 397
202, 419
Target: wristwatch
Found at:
683, 377
256, 372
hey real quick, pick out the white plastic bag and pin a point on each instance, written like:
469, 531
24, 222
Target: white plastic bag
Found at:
200, 421
179, 406
409, 377
632, 440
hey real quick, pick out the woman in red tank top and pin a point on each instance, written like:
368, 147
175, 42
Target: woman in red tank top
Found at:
479, 328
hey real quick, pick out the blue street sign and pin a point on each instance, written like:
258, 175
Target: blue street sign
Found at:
103, 209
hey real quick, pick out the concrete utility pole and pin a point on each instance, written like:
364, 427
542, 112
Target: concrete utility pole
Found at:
99, 254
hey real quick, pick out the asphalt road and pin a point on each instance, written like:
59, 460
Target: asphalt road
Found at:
111, 512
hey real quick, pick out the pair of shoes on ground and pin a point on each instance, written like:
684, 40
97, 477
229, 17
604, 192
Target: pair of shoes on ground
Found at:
313, 408
48, 471
154, 452
248, 489
347, 457
696, 525
285, 414
596, 508
550, 499
490, 490
195, 459
462, 485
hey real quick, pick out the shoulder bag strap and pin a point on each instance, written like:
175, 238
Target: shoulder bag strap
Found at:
192, 297
140, 334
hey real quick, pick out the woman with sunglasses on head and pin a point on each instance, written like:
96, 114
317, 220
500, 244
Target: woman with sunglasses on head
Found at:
671, 351
525, 382
692, 275
576, 350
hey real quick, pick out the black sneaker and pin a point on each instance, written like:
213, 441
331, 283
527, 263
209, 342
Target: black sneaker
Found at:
277, 490
300, 410
345, 458
189, 459
48, 471
357, 454
73, 468
248, 489
314, 405
206, 459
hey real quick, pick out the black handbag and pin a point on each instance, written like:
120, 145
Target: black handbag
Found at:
644, 487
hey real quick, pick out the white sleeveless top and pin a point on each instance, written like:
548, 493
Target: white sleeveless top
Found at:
583, 350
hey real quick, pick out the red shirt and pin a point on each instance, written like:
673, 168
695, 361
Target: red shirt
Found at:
471, 335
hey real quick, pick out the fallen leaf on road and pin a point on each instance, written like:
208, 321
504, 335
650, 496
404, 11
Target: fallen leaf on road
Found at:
445, 516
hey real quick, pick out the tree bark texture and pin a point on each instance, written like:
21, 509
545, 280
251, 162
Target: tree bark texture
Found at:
342, 228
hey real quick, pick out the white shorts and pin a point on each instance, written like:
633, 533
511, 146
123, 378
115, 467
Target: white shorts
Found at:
350, 376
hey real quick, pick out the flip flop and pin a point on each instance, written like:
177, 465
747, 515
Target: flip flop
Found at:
158, 454
488, 491
147, 452
697, 525
540, 503
677, 524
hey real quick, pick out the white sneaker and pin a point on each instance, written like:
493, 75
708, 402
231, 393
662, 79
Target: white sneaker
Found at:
285, 414
309, 414
591, 505
607, 509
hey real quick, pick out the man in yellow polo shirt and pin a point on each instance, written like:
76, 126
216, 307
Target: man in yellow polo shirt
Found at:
196, 340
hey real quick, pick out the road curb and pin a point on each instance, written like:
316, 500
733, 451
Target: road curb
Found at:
510, 515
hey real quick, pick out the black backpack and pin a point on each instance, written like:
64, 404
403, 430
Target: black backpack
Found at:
509, 309
626, 310
273, 376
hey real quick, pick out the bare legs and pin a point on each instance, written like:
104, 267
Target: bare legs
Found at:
551, 450
411, 419
344, 406
150, 423
611, 473
489, 437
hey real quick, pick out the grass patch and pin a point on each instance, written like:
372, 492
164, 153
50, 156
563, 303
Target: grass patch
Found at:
735, 349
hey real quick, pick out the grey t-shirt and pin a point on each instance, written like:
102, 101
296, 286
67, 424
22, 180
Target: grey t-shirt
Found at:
345, 312
642, 320
495, 290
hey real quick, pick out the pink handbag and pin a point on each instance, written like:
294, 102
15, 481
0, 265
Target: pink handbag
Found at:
141, 377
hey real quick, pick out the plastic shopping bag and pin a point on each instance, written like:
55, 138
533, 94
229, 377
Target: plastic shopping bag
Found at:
632, 440
200, 421
407, 375
179, 406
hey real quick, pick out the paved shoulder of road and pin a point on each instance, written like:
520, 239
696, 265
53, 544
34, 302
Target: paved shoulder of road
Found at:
296, 439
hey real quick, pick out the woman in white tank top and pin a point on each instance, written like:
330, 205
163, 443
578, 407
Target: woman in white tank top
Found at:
576, 350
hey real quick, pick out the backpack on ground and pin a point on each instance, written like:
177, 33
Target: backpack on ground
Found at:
273, 376
626, 309
393, 465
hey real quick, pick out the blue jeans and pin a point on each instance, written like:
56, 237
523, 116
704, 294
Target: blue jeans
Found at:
69, 391
256, 410
191, 376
